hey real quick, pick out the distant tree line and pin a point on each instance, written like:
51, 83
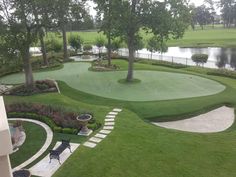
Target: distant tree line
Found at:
206, 14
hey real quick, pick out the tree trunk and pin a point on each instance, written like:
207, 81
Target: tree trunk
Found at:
109, 35
29, 80
65, 51
131, 60
43, 49
109, 49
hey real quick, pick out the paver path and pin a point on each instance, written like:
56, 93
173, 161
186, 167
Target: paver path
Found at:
107, 128
214, 121
47, 143
46, 169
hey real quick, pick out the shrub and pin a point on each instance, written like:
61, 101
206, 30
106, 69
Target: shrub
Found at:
75, 42
87, 47
34, 116
223, 72
57, 129
200, 58
52, 116
69, 131
40, 87
54, 45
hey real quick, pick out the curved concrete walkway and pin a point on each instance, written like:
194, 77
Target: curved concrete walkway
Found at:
45, 146
214, 121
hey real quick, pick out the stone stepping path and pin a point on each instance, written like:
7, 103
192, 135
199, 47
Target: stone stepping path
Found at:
99, 135
106, 132
95, 140
107, 129
109, 120
109, 123
90, 144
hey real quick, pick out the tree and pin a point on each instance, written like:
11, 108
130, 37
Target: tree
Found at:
203, 16
166, 20
66, 11
18, 31
228, 10
193, 21
115, 44
212, 10
42, 12
75, 42
154, 45
105, 8
138, 45
100, 42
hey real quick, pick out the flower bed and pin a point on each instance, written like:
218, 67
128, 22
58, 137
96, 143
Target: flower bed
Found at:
100, 66
55, 117
41, 86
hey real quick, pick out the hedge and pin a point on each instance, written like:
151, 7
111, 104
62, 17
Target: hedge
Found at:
45, 120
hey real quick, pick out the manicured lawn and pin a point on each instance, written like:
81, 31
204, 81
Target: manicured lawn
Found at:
154, 85
35, 138
218, 37
137, 148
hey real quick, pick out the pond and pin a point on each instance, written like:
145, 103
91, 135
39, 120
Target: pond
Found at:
218, 57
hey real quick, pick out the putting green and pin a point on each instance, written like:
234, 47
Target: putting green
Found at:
154, 85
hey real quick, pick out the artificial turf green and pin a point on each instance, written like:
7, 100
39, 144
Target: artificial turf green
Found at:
154, 85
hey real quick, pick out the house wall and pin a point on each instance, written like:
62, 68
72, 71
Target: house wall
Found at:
5, 142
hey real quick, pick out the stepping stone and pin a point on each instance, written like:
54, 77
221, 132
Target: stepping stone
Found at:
99, 135
117, 110
109, 120
105, 131
95, 140
108, 127
90, 144
113, 113
109, 123
110, 116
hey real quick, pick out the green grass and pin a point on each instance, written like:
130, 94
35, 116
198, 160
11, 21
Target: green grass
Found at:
35, 138
217, 37
137, 148
133, 81
155, 85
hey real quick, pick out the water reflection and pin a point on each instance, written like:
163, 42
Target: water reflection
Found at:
218, 57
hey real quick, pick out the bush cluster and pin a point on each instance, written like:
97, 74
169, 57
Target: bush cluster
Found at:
200, 58
223, 72
56, 118
41, 86
87, 47
169, 64
162, 63
53, 61
98, 65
